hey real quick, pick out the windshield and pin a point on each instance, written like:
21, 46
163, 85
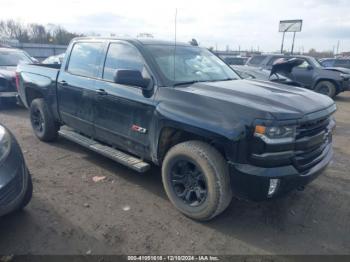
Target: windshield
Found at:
13, 58
192, 64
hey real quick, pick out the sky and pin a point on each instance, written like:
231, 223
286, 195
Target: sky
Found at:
248, 24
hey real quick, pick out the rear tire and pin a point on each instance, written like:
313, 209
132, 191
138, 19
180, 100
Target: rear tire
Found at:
44, 126
198, 168
326, 88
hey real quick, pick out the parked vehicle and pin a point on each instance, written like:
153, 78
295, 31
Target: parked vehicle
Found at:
311, 74
182, 108
15, 181
56, 59
9, 59
335, 62
234, 60
256, 73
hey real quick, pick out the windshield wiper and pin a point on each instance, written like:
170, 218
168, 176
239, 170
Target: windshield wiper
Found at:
188, 82
199, 81
226, 79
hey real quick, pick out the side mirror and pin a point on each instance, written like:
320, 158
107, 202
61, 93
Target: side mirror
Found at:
131, 78
309, 67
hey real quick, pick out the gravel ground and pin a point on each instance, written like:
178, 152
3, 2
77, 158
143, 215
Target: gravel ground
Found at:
129, 213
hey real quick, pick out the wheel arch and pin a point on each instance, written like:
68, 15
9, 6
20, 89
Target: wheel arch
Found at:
335, 83
172, 133
31, 94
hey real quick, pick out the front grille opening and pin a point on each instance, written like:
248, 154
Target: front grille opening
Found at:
312, 128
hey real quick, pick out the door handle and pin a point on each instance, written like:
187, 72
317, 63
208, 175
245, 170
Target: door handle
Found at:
63, 83
101, 92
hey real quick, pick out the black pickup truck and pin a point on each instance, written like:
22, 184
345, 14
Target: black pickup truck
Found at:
182, 108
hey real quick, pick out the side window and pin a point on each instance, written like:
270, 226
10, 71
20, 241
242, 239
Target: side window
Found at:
256, 60
273, 60
327, 63
340, 63
122, 56
84, 59
305, 64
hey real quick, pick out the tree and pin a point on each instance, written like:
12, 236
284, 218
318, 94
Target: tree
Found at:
61, 36
36, 33
15, 30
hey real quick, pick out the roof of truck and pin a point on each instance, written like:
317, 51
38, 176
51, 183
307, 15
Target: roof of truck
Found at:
144, 41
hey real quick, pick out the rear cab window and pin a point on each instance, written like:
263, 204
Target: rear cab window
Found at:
85, 59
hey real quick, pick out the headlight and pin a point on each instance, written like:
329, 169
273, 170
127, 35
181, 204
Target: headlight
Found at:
275, 134
5, 143
345, 76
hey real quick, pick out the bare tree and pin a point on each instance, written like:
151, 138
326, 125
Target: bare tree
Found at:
38, 33
14, 29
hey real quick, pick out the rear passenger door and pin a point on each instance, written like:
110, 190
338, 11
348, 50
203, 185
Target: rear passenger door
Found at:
76, 86
121, 108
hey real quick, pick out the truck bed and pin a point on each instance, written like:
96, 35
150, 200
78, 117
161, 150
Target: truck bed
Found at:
38, 76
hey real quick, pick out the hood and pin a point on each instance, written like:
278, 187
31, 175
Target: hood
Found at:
286, 67
338, 69
7, 72
263, 98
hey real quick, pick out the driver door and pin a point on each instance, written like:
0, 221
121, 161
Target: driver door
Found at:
123, 113
303, 74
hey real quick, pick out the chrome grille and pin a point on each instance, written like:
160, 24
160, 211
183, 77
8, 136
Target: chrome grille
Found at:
312, 140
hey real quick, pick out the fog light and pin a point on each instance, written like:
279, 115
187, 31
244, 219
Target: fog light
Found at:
274, 183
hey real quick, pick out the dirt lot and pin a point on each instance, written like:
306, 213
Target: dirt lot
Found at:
129, 213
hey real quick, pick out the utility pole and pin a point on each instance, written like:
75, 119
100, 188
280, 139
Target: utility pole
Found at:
282, 42
293, 43
338, 47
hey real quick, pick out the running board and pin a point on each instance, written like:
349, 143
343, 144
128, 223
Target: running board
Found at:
114, 154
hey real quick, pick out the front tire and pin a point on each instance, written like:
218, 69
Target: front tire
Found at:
44, 126
326, 88
196, 179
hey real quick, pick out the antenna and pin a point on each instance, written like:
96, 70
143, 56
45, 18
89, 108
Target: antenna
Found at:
175, 43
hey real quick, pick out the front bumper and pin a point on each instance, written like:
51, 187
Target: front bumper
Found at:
252, 182
345, 85
14, 179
